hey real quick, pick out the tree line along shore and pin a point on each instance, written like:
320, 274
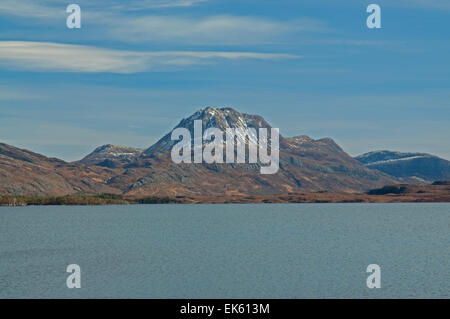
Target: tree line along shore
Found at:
399, 193
81, 199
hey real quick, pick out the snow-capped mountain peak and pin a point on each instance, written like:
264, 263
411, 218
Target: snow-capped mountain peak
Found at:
221, 118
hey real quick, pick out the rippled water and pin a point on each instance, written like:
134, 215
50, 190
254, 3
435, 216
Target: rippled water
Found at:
226, 251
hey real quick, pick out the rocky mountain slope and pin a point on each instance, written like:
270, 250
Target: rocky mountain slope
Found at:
408, 167
221, 118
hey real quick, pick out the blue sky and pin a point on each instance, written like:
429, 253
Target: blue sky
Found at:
311, 67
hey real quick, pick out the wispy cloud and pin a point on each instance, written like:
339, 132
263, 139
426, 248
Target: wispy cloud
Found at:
9, 94
48, 56
411, 4
152, 4
29, 9
220, 29
148, 24
432, 4
53, 8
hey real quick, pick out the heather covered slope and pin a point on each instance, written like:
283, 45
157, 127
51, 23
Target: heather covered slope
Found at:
26, 173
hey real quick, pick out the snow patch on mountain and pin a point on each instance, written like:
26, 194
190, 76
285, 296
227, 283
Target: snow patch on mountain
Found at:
396, 160
221, 118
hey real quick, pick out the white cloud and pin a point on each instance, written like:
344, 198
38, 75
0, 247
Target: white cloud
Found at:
54, 8
432, 4
219, 29
152, 4
27, 8
48, 56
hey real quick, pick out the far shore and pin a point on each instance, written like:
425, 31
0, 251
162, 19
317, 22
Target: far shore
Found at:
438, 192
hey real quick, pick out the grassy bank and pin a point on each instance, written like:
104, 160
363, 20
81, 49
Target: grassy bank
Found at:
81, 199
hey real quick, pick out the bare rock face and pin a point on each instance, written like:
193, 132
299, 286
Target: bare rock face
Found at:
408, 167
221, 118
305, 165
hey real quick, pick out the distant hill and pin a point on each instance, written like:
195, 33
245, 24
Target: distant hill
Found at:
409, 167
111, 156
30, 174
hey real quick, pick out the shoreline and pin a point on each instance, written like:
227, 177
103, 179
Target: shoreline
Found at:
401, 193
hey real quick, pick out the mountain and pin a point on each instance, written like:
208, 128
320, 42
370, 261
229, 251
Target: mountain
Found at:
221, 118
305, 165
408, 167
111, 156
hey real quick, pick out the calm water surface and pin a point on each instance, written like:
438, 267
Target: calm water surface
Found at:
226, 251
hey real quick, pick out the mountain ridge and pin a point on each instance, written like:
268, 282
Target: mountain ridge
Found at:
306, 165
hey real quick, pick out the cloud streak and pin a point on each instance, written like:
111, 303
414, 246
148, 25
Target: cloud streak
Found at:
431, 4
144, 22
153, 4
218, 29
54, 8
49, 56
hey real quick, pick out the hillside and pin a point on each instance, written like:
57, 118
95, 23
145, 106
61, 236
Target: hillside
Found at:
408, 167
26, 173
